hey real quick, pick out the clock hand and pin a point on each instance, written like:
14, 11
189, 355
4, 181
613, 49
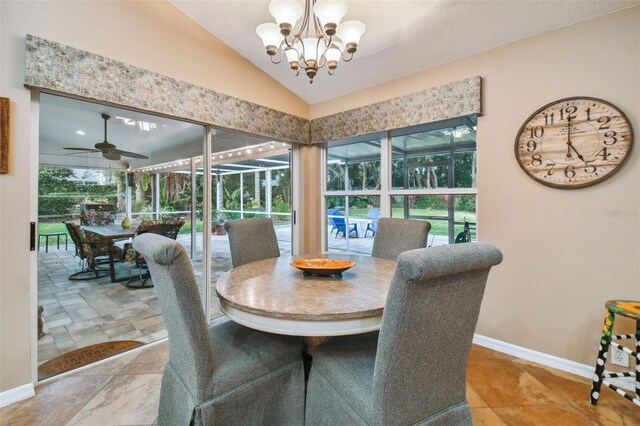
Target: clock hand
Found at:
569, 137
576, 151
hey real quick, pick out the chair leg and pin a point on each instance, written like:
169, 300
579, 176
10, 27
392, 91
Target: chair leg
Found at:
638, 360
603, 351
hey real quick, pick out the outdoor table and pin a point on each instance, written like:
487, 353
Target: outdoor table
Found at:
273, 296
112, 233
52, 234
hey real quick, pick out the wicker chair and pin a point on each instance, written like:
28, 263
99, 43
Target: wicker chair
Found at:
169, 229
91, 249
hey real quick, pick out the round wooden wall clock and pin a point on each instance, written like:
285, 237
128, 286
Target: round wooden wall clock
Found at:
574, 142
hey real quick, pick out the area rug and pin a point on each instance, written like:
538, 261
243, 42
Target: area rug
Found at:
84, 356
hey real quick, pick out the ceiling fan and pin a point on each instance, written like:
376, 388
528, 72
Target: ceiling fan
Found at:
109, 150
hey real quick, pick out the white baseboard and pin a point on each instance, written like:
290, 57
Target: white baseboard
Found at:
558, 363
16, 394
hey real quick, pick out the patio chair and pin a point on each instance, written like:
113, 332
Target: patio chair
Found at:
224, 373
91, 249
251, 240
97, 214
341, 226
169, 229
330, 213
395, 236
374, 215
414, 371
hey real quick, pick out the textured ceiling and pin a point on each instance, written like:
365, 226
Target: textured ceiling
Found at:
402, 36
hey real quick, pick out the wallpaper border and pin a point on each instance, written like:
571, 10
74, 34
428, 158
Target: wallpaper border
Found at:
61, 68
450, 100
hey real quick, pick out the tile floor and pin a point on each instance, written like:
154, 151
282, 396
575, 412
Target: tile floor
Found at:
501, 390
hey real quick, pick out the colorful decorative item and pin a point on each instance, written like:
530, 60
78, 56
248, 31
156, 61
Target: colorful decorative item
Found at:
126, 222
629, 309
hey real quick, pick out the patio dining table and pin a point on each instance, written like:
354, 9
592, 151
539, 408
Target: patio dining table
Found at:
112, 233
273, 296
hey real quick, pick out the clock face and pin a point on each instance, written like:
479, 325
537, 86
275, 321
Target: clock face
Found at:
574, 142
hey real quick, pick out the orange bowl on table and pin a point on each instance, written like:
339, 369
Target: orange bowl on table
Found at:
322, 266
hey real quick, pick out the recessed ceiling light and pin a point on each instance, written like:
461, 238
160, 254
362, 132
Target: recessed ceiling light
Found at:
80, 132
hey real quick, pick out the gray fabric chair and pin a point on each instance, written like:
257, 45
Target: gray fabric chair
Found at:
251, 240
224, 374
414, 371
395, 236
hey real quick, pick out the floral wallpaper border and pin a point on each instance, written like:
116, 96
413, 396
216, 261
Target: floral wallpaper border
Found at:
54, 66
438, 103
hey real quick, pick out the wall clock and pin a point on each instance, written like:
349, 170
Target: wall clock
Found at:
574, 142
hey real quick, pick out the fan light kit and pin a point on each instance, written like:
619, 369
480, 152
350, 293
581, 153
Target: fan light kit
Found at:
329, 41
109, 150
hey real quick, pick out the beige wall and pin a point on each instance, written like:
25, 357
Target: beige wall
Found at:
151, 35
563, 254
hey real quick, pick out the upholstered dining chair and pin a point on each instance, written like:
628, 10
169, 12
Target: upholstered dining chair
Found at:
395, 236
223, 374
251, 240
414, 370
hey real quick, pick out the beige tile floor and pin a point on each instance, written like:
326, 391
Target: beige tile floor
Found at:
501, 390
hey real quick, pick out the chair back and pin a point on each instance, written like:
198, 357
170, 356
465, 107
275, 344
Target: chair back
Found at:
97, 214
77, 236
166, 229
374, 215
251, 240
190, 352
427, 327
394, 236
338, 218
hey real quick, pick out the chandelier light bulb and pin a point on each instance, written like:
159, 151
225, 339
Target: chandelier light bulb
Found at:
312, 50
333, 54
350, 33
271, 37
286, 14
330, 12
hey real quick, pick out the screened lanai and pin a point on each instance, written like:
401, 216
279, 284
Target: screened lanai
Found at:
161, 178
425, 172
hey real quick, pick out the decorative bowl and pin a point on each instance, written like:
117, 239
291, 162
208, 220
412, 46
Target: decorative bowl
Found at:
324, 267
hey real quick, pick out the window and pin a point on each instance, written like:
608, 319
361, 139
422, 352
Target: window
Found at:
425, 172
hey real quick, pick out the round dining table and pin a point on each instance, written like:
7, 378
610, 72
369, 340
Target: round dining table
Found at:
273, 296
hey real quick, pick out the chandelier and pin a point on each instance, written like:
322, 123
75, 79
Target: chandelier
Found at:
329, 41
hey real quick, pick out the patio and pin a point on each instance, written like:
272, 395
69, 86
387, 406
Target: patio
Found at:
82, 313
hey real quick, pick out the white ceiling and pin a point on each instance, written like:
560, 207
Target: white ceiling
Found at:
402, 36
170, 140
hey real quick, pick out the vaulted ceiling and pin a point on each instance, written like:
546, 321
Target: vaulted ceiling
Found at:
402, 37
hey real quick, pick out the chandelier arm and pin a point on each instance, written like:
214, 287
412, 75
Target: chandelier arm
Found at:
347, 59
279, 60
308, 10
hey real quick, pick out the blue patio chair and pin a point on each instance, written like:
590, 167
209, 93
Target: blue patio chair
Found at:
330, 213
374, 215
341, 226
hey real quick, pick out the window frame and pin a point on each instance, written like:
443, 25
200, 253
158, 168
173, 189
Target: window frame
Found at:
386, 191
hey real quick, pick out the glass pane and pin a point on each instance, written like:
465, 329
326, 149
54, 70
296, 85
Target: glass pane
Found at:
353, 166
352, 229
435, 158
446, 213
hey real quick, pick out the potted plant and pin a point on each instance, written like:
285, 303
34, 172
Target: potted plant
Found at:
219, 222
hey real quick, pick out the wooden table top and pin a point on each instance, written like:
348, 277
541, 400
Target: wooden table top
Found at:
273, 288
111, 232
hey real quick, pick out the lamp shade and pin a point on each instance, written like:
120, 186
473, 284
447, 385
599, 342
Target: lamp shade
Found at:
351, 31
292, 53
334, 52
270, 34
330, 11
312, 49
286, 11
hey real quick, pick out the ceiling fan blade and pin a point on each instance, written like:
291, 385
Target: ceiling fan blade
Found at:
111, 155
83, 149
130, 154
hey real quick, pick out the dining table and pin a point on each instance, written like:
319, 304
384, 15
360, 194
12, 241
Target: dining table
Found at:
273, 296
111, 233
